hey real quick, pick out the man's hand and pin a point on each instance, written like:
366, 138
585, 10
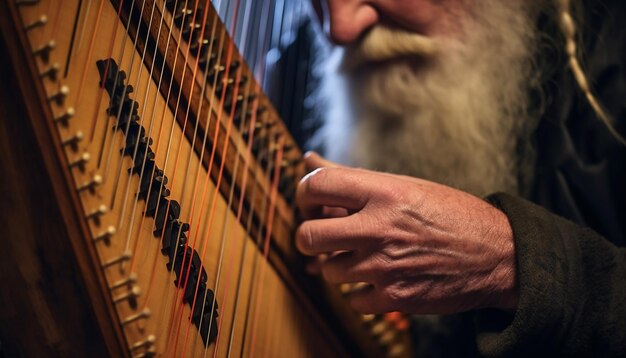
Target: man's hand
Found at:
424, 247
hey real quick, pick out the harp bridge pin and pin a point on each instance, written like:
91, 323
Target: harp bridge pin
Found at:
74, 140
92, 184
106, 235
117, 260
81, 161
65, 117
97, 214
51, 72
141, 315
60, 95
147, 343
44, 51
42, 20
131, 296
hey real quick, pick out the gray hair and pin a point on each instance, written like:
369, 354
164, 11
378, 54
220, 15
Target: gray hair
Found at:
568, 28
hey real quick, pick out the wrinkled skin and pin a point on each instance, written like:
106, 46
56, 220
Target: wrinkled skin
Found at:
423, 247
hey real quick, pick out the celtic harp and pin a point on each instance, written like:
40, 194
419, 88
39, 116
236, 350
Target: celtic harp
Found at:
163, 185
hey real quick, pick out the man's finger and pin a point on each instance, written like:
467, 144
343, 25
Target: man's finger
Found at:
332, 187
350, 267
315, 237
369, 300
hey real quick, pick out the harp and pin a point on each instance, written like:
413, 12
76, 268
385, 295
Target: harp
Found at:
167, 181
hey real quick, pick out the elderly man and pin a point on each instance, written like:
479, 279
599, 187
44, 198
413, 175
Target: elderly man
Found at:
477, 99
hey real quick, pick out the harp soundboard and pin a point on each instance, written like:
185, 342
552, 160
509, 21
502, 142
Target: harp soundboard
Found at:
174, 178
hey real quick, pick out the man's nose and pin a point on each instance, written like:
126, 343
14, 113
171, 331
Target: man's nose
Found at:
348, 19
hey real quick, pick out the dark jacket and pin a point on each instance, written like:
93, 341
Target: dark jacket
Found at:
572, 273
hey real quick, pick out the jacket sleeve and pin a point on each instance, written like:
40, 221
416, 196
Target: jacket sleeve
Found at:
572, 286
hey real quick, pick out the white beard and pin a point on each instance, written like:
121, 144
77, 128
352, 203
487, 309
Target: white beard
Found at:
452, 111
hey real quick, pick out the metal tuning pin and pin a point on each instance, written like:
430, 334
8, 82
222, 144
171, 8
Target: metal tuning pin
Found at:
141, 315
397, 350
26, 2
43, 19
97, 214
368, 317
379, 328
65, 117
348, 288
73, 141
117, 260
388, 337
44, 51
146, 343
92, 184
60, 95
106, 235
131, 295
150, 353
81, 161
131, 279
51, 72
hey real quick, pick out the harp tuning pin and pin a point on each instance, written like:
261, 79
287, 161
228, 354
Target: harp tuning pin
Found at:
397, 350
131, 279
147, 343
130, 296
117, 260
65, 117
60, 95
92, 184
150, 353
81, 161
44, 51
191, 27
379, 328
74, 140
106, 235
41, 21
141, 315
51, 72
368, 317
97, 214
387, 338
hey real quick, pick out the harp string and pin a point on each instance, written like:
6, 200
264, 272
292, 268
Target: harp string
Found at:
268, 143
96, 111
185, 121
121, 95
233, 265
87, 63
178, 309
144, 154
120, 111
187, 270
215, 195
83, 24
224, 228
55, 22
248, 228
157, 146
192, 228
135, 149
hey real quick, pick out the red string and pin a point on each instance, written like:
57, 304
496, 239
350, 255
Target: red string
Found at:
268, 235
